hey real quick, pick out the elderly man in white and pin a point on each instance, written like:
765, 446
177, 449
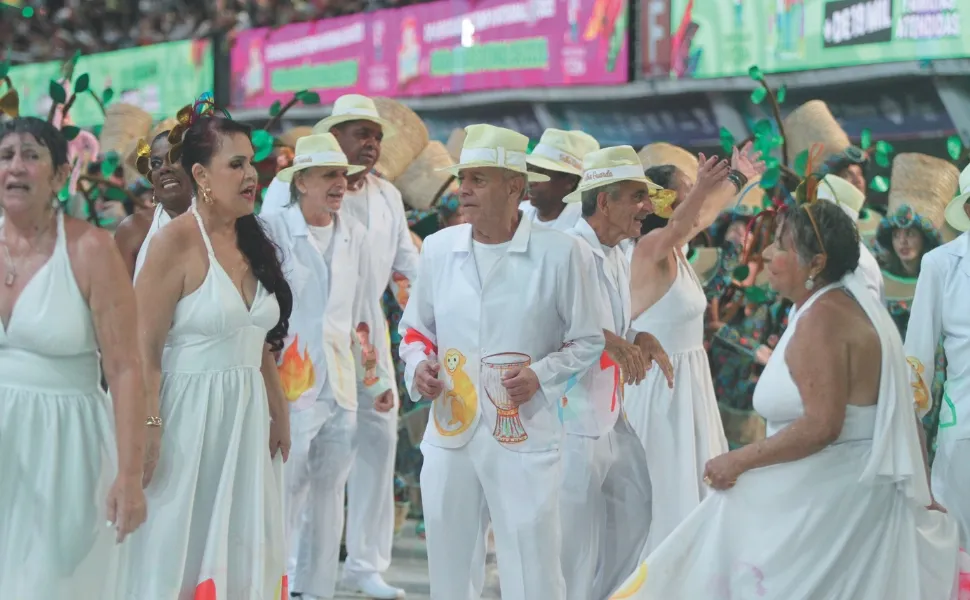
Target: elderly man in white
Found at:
500, 312
839, 191
559, 156
377, 205
939, 309
324, 364
606, 493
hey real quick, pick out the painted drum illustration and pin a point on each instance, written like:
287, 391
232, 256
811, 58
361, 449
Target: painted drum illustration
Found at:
508, 426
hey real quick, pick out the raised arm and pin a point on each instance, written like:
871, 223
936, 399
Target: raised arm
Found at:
924, 330
107, 288
748, 163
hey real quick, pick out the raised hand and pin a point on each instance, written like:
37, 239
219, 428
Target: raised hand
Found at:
747, 161
711, 172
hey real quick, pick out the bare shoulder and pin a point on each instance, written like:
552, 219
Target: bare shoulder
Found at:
837, 321
135, 226
85, 242
178, 237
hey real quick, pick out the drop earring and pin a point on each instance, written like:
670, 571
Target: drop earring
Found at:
207, 195
810, 283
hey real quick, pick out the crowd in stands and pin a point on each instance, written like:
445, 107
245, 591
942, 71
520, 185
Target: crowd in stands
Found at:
57, 28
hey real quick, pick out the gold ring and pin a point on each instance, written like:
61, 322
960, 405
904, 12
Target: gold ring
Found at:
707, 480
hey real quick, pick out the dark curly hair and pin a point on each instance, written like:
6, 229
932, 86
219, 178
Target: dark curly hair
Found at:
199, 144
45, 134
839, 237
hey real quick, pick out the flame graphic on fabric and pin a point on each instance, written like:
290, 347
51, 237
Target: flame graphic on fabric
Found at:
296, 372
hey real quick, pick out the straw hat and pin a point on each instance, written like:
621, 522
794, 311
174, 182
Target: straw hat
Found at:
898, 288
868, 224
455, 140
705, 261
610, 165
424, 182
354, 107
559, 151
163, 126
590, 143
924, 183
662, 153
289, 137
491, 146
839, 191
411, 138
956, 215
319, 150
813, 123
123, 125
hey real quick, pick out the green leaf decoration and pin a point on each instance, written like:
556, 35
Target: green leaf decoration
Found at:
758, 95
107, 95
727, 140
57, 92
4, 68
780, 94
772, 163
115, 193
64, 193
755, 73
884, 147
882, 159
763, 126
96, 130
310, 98
70, 132
954, 146
756, 294
801, 162
275, 108
770, 178
741, 273
262, 145
879, 184
866, 140
82, 84
110, 164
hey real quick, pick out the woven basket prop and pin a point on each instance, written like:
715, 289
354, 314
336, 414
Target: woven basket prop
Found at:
123, 124
163, 126
455, 141
813, 123
662, 153
925, 183
409, 139
288, 138
422, 184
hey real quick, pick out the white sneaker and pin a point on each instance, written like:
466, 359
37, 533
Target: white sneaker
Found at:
373, 586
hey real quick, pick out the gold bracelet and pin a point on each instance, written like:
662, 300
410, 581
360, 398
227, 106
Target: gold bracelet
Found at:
153, 422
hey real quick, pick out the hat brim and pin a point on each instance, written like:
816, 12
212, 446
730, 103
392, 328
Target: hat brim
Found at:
577, 195
530, 177
955, 214
286, 175
867, 224
325, 125
548, 164
705, 262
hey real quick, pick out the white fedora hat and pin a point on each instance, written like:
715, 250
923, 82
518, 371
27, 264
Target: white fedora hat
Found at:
610, 165
839, 191
588, 142
353, 107
490, 146
956, 216
560, 151
317, 150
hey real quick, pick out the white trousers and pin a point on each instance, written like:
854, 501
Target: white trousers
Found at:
950, 479
321, 454
370, 492
606, 510
461, 488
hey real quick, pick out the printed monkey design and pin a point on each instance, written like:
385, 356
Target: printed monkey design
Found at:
455, 410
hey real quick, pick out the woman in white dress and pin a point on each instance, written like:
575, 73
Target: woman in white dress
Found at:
64, 298
213, 296
834, 503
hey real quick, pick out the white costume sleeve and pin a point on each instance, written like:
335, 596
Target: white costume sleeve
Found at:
365, 310
419, 340
277, 197
923, 332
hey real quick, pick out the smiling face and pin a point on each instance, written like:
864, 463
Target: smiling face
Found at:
360, 141
172, 186
322, 188
231, 176
625, 208
28, 178
908, 243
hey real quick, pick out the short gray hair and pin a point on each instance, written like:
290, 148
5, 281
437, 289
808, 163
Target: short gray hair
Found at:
590, 197
509, 175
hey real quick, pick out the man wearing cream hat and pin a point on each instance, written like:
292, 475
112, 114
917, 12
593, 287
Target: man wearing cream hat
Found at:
326, 262
376, 204
501, 311
840, 191
558, 156
601, 452
939, 309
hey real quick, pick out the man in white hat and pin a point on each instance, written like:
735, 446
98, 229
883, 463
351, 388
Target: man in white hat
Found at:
558, 156
376, 204
939, 309
325, 257
500, 313
840, 191
601, 452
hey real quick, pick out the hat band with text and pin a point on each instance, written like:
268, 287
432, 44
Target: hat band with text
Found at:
500, 157
329, 157
553, 153
618, 172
